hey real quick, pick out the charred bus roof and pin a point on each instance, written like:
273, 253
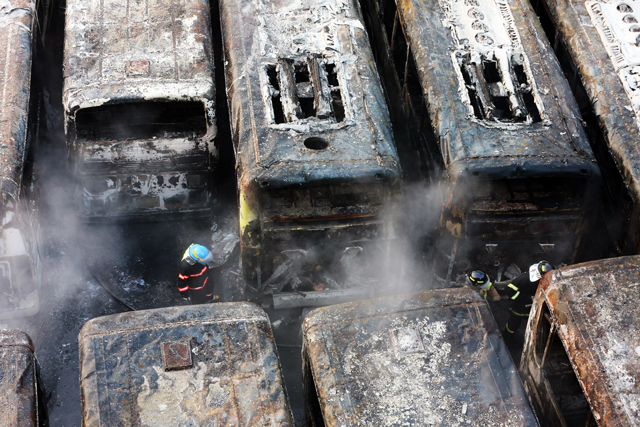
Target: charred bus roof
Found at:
18, 18
601, 38
306, 102
430, 358
597, 316
199, 365
497, 97
144, 51
18, 382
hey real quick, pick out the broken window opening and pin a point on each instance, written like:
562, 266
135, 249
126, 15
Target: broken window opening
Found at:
142, 120
490, 92
305, 88
332, 75
276, 102
478, 112
527, 93
491, 71
307, 107
497, 93
336, 95
337, 105
557, 369
301, 72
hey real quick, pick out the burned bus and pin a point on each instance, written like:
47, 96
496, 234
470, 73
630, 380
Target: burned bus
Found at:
597, 43
139, 104
316, 160
482, 80
20, 34
581, 359
428, 358
22, 397
200, 365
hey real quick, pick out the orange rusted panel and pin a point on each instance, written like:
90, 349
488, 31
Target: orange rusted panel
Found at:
593, 309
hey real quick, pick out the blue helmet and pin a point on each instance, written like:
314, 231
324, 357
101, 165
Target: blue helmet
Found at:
199, 253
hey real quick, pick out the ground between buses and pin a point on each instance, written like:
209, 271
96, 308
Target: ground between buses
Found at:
316, 161
483, 93
139, 110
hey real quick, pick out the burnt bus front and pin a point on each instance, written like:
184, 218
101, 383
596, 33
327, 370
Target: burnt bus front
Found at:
140, 111
517, 217
316, 161
322, 218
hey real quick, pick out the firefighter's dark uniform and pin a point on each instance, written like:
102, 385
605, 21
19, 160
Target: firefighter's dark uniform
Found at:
521, 292
194, 280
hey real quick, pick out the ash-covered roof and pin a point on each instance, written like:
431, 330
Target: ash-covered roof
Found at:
595, 306
210, 364
328, 38
145, 50
430, 358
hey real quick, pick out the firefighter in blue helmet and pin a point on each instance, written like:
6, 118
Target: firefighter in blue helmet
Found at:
194, 279
521, 292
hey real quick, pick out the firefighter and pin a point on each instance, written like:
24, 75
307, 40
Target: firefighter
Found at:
521, 292
194, 279
481, 280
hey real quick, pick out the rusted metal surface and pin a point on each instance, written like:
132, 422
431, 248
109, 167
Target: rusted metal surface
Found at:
597, 41
127, 377
431, 358
484, 85
315, 153
19, 275
18, 381
593, 309
139, 106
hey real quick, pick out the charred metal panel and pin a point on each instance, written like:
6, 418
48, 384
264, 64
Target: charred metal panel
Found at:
431, 358
18, 381
308, 120
19, 273
211, 364
592, 310
503, 36
139, 104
